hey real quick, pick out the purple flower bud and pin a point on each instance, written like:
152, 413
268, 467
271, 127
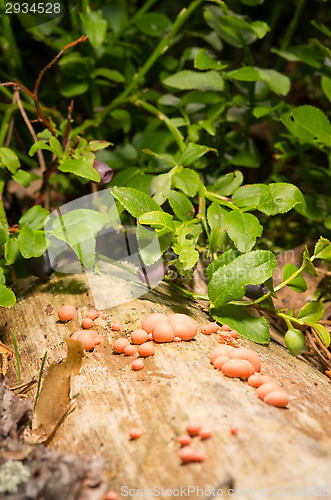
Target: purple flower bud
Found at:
106, 173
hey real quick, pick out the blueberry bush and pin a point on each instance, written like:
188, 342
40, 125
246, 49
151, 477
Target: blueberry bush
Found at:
209, 120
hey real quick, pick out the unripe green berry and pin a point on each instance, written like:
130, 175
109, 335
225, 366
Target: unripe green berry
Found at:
295, 341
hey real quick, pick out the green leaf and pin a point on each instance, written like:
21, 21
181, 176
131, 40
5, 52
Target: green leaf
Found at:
158, 219
326, 86
279, 198
82, 241
39, 145
215, 217
31, 243
309, 266
221, 261
9, 160
193, 152
249, 195
56, 147
188, 256
312, 312
189, 80
245, 159
34, 218
186, 180
260, 28
298, 283
323, 333
11, 251
228, 184
95, 27
22, 177
4, 233
323, 249
309, 124
181, 205
153, 23
81, 167
7, 297
278, 83
243, 229
203, 61
110, 74
152, 244
254, 328
228, 282
134, 201
65, 224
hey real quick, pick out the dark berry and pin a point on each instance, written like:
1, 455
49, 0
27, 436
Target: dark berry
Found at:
105, 172
256, 291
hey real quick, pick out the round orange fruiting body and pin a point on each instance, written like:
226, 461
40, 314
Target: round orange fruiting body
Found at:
205, 432
163, 332
177, 339
234, 430
264, 389
150, 321
146, 349
221, 350
135, 433
120, 344
226, 328
238, 368
184, 439
111, 495
129, 350
137, 364
249, 355
67, 312
92, 314
219, 361
193, 427
139, 336
255, 380
234, 334
116, 326
277, 398
184, 326
89, 338
87, 323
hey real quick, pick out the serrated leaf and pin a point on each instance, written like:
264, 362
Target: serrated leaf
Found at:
188, 256
279, 198
22, 177
309, 124
203, 61
7, 297
190, 80
56, 147
11, 250
278, 83
78, 235
249, 195
152, 244
34, 218
95, 26
221, 261
254, 328
181, 205
31, 243
186, 180
215, 218
243, 229
9, 160
134, 201
193, 152
312, 312
4, 233
39, 145
323, 333
98, 145
66, 223
323, 249
81, 167
298, 283
228, 282
228, 183
158, 219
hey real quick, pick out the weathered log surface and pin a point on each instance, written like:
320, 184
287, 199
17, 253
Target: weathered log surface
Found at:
275, 448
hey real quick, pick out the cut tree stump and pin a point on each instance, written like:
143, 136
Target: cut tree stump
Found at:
276, 451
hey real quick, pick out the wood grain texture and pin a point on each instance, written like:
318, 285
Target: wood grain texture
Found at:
274, 447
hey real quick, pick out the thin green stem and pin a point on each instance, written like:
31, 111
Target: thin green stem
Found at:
172, 128
187, 293
202, 209
290, 31
222, 200
17, 360
161, 48
39, 379
5, 123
